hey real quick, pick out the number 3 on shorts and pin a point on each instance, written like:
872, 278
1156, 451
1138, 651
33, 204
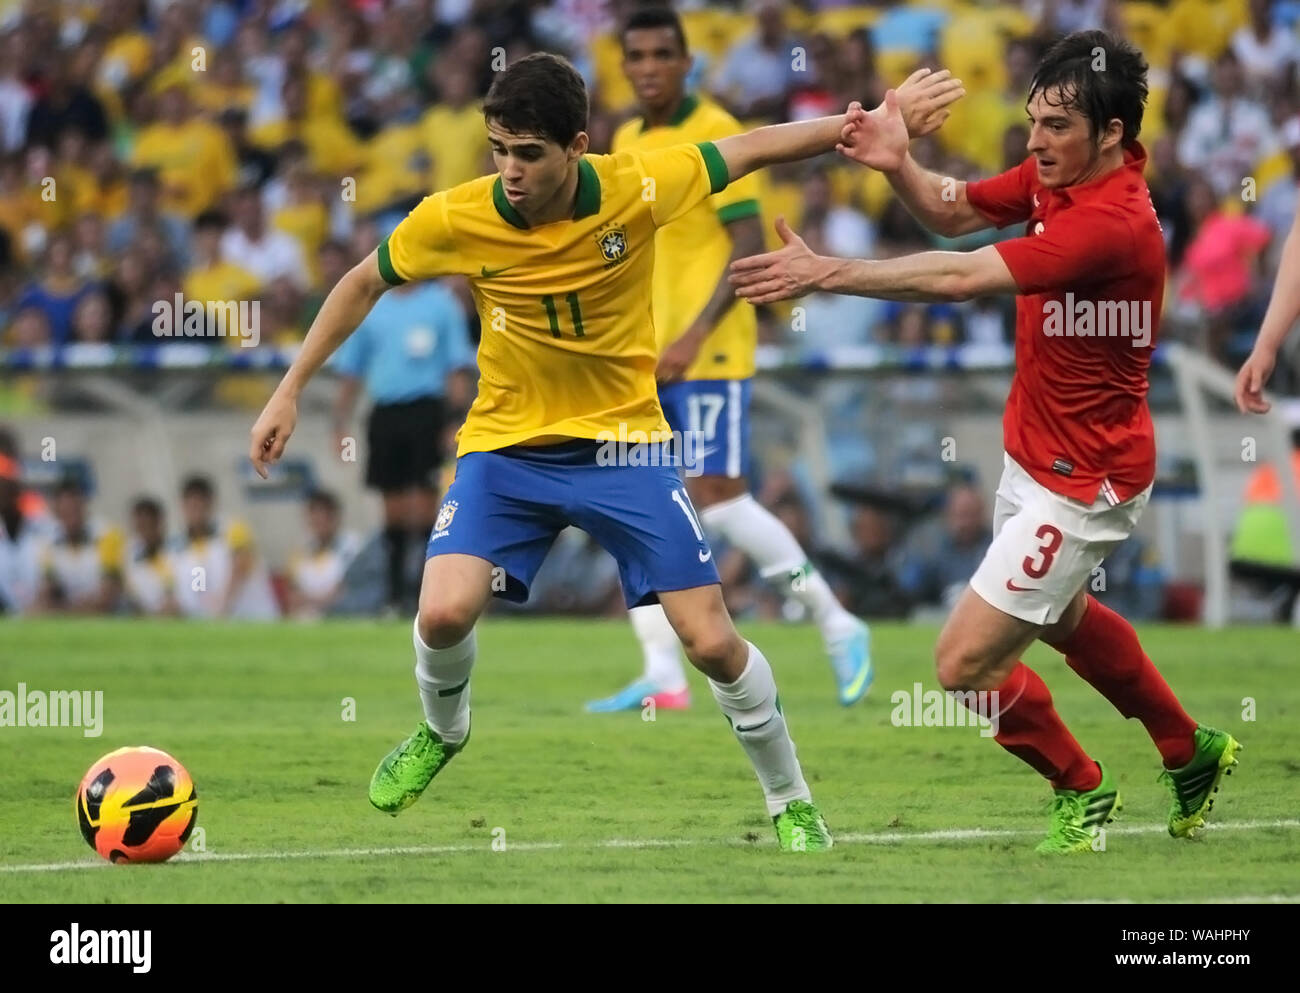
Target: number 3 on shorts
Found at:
1051, 538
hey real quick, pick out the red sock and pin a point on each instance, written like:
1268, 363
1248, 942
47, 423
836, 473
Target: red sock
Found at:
1104, 650
1031, 730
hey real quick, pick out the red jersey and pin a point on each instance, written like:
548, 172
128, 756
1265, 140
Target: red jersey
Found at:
1091, 273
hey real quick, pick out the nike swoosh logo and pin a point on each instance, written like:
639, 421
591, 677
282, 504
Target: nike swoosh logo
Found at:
489, 273
705, 556
1019, 589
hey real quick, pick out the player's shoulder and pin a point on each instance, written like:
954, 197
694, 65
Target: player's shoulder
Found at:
626, 133
710, 121
471, 193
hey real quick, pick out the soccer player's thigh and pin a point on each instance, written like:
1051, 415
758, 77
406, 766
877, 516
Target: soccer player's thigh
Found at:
643, 516
710, 418
491, 535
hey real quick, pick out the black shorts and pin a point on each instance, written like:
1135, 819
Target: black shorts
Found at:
405, 441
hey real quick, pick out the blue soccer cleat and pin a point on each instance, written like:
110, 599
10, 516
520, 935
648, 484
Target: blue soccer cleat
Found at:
634, 695
851, 660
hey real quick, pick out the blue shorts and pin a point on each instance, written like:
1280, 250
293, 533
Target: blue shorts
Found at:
508, 506
712, 418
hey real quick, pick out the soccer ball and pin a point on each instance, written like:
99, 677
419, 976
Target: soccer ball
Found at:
137, 804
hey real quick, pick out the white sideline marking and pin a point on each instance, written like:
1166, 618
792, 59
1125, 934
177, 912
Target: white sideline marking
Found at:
893, 838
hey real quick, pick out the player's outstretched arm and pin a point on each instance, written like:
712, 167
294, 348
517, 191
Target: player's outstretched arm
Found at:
1283, 309
794, 270
344, 308
919, 107
938, 202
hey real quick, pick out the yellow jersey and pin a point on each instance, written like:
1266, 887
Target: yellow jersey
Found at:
692, 253
568, 345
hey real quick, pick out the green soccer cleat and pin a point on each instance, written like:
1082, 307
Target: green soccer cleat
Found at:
802, 828
1192, 787
405, 771
1078, 817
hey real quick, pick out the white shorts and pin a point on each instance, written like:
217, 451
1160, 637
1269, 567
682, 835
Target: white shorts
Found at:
1046, 546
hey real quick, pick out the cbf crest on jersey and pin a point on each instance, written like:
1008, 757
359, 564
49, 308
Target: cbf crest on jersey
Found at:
445, 514
613, 244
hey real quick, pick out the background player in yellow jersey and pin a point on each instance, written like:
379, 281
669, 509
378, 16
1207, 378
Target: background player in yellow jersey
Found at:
559, 251
707, 338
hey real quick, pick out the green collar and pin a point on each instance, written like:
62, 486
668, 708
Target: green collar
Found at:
586, 203
684, 110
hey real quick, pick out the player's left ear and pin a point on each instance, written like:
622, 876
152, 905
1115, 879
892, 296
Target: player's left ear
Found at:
1111, 135
578, 148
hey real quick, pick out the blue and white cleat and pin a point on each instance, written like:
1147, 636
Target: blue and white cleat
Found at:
634, 696
851, 660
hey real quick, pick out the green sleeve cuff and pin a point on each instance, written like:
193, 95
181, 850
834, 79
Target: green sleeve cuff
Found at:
386, 269
717, 166
738, 211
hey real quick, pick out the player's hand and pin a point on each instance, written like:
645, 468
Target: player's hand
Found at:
924, 98
678, 356
1249, 392
788, 272
878, 138
271, 432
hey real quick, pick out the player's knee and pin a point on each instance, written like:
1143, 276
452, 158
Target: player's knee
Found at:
955, 667
714, 650
445, 622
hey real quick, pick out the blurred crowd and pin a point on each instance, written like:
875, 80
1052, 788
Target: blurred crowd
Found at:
61, 555
255, 149
235, 149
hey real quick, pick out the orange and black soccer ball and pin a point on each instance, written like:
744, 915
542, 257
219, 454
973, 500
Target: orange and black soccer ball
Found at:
137, 804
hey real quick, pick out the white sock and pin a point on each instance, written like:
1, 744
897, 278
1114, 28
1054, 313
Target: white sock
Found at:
752, 710
756, 531
659, 646
443, 677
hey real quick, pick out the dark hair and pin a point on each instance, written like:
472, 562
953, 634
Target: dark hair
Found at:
1115, 88
147, 505
323, 498
69, 484
541, 94
649, 18
197, 486
210, 218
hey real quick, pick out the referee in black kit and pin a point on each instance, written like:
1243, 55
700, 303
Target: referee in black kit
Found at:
407, 352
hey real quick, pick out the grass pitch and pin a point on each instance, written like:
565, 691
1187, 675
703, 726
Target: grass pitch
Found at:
551, 804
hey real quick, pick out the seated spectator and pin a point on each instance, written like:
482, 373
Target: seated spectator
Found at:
264, 251
941, 556
144, 212
1228, 132
1220, 266
92, 321
217, 569
147, 572
866, 580
24, 536
316, 574
58, 289
759, 71
81, 559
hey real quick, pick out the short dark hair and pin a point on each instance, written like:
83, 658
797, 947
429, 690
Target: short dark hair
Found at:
210, 218
69, 484
198, 486
323, 498
147, 505
541, 94
650, 18
1118, 89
